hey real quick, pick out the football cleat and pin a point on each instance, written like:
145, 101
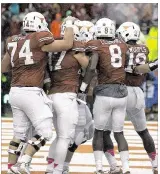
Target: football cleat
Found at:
24, 168
65, 171
10, 171
49, 169
128, 172
155, 170
117, 170
15, 168
99, 172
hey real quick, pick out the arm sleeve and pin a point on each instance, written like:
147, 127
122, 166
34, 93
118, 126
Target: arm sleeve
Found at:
90, 72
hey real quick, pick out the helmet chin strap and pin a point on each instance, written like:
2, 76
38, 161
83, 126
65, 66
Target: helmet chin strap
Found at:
131, 42
105, 38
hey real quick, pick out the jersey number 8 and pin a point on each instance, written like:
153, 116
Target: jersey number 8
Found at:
116, 58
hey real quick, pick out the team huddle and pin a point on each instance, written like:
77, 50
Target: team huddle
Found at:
50, 82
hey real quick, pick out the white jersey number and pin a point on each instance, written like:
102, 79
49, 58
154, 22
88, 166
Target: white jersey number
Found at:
116, 58
59, 61
138, 59
24, 52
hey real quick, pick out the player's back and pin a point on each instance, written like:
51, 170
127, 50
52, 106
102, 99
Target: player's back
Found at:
138, 55
27, 59
64, 69
111, 60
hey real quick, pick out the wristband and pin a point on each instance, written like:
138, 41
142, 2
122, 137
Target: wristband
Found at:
153, 65
48, 80
83, 86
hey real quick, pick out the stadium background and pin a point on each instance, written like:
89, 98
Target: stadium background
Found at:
146, 15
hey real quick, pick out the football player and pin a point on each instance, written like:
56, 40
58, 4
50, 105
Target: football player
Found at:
138, 55
137, 63
109, 56
64, 72
27, 59
84, 129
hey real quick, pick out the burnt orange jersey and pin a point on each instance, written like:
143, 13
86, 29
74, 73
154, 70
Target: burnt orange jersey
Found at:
112, 57
27, 59
64, 69
137, 55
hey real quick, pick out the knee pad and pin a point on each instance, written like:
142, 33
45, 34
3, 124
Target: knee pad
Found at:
121, 141
107, 141
47, 134
16, 146
44, 128
147, 141
73, 147
98, 140
40, 141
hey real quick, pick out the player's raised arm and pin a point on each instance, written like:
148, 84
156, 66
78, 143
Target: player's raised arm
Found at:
66, 43
6, 63
151, 66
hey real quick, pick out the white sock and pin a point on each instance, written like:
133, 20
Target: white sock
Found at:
50, 165
111, 158
98, 160
154, 159
124, 155
58, 169
66, 166
26, 159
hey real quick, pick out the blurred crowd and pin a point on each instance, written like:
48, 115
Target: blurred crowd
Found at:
146, 15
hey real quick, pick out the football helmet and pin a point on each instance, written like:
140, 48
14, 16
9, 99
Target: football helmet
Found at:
34, 21
128, 31
78, 23
87, 34
87, 31
77, 35
76, 31
105, 28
